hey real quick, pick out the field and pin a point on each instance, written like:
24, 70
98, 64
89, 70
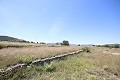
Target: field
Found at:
13, 55
100, 64
6, 44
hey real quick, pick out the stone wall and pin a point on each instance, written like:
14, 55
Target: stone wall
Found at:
38, 62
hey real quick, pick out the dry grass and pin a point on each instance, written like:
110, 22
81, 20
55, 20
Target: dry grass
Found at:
10, 56
100, 64
22, 44
96, 65
102, 50
104, 58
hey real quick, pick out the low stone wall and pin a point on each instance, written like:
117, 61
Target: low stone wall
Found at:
37, 62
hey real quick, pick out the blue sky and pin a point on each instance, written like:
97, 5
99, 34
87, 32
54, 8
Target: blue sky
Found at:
78, 21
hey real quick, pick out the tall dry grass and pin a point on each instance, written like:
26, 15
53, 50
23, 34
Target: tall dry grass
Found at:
109, 62
104, 58
10, 56
6, 44
100, 64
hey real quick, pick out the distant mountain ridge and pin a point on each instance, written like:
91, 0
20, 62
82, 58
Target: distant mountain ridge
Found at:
8, 38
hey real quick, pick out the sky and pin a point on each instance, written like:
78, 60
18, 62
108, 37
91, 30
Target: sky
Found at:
78, 21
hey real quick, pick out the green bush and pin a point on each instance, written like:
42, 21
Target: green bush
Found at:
111, 46
86, 49
116, 46
78, 44
49, 67
65, 43
106, 45
99, 46
1, 47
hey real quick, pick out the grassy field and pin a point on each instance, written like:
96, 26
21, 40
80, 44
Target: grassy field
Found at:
100, 64
10, 56
97, 65
73, 68
7, 44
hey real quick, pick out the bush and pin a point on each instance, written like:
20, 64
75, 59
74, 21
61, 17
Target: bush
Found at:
1, 47
86, 49
78, 44
111, 46
106, 45
49, 67
116, 46
99, 46
65, 43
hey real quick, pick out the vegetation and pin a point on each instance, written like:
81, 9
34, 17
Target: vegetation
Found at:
1, 46
78, 44
86, 49
84, 66
100, 64
42, 43
65, 43
57, 70
116, 46
6, 44
110, 46
10, 56
7, 38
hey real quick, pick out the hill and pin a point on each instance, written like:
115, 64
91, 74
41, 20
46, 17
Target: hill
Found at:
8, 38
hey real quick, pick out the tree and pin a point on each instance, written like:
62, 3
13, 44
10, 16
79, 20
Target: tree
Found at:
116, 46
78, 44
57, 43
106, 45
65, 42
31, 41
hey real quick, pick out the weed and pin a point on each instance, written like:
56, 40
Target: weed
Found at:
86, 49
1, 46
49, 67
26, 59
9, 56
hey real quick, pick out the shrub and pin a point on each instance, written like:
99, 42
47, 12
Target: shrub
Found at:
111, 46
99, 46
106, 45
49, 67
78, 44
116, 46
86, 49
1, 46
65, 43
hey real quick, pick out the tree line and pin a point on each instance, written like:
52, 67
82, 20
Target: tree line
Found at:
110, 46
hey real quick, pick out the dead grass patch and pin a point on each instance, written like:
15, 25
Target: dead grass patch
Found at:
9, 56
